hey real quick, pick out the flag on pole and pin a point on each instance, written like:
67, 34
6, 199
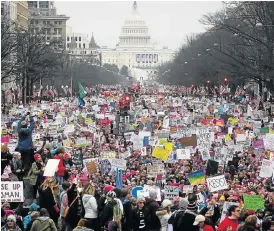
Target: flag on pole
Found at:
82, 91
119, 178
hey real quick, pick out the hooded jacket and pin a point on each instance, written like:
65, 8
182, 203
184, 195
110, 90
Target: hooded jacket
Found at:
25, 135
43, 224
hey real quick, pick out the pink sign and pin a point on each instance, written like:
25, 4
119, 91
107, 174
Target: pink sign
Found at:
258, 144
5, 139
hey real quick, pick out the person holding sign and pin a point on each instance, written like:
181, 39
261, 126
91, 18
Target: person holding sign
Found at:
25, 144
35, 175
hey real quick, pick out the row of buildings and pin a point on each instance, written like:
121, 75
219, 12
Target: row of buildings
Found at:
134, 49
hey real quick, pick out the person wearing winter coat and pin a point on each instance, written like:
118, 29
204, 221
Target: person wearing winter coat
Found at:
61, 167
211, 212
27, 219
11, 224
35, 175
44, 222
188, 218
140, 216
18, 167
33, 216
48, 198
107, 213
76, 210
164, 214
25, 144
151, 205
127, 207
90, 206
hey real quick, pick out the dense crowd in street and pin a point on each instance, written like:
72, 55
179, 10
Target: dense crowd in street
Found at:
139, 159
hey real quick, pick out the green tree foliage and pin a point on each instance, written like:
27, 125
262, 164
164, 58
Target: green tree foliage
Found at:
111, 67
124, 70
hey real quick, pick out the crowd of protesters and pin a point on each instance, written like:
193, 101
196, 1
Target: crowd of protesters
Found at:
75, 199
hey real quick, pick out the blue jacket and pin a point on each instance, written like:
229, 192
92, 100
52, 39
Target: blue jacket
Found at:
25, 135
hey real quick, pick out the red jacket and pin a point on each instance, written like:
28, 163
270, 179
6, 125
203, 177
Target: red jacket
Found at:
208, 228
61, 167
228, 222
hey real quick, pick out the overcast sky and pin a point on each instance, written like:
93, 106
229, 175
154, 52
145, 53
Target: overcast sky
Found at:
168, 22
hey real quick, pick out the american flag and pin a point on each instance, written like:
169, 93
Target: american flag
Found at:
213, 91
222, 90
46, 92
55, 92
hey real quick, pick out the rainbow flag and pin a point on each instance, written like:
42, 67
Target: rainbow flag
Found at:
197, 177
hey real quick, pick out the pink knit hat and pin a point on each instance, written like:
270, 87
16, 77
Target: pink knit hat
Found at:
108, 188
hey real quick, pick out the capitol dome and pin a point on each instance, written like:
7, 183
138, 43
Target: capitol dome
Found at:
134, 32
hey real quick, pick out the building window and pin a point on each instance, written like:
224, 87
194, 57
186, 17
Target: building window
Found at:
48, 22
85, 52
60, 22
67, 38
48, 38
76, 39
79, 45
55, 22
79, 39
84, 45
44, 22
67, 45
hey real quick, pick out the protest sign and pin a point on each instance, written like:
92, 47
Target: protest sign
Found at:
266, 168
216, 183
205, 154
196, 178
203, 138
258, 144
219, 155
269, 142
154, 170
189, 141
253, 202
171, 191
135, 190
12, 191
118, 163
77, 158
183, 154
104, 166
108, 155
187, 189
81, 142
91, 167
51, 167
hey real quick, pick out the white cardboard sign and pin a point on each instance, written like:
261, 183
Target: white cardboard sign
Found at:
216, 183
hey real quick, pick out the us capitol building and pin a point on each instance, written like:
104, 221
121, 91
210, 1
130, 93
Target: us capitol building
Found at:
135, 49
